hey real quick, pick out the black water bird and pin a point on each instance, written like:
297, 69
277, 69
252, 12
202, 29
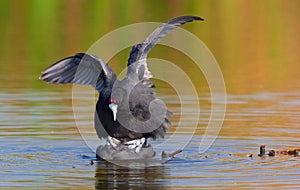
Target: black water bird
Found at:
127, 109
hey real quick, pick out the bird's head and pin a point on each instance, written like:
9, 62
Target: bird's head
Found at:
113, 105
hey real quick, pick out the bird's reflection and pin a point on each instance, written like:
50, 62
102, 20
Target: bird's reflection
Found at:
113, 176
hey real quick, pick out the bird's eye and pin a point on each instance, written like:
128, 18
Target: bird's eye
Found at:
112, 100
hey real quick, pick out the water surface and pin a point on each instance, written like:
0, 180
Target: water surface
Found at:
41, 147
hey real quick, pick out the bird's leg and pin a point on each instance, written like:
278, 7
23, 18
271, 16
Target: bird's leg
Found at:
139, 147
112, 141
146, 143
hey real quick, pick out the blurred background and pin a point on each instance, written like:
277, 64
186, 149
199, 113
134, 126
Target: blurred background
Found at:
255, 42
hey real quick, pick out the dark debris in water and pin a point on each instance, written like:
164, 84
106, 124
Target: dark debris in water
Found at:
262, 152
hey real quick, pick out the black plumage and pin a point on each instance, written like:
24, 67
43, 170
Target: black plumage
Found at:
139, 113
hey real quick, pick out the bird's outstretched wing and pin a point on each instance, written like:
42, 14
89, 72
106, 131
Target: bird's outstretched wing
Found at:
137, 60
81, 69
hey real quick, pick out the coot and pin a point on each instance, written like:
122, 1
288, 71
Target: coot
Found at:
127, 112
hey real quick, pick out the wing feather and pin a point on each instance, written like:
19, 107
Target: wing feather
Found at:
81, 69
140, 51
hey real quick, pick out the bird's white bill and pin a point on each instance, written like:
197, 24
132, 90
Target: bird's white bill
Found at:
114, 109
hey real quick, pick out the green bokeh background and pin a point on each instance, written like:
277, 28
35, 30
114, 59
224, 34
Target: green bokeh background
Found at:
255, 42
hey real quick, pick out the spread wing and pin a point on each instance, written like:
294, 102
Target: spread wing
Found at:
81, 69
137, 60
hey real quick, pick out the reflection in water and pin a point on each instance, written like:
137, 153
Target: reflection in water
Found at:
111, 176
40, 147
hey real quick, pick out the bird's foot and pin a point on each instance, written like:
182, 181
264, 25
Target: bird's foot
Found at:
136, 144
112, 141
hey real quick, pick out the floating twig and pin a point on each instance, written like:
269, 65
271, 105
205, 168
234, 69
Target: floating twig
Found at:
174, 153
